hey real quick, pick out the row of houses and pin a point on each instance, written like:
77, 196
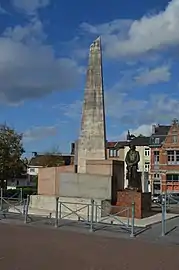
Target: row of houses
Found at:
159, 157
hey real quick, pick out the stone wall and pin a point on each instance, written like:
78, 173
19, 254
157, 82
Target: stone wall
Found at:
48, 179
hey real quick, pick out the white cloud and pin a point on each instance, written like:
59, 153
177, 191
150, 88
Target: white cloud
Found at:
126, 38
145, 130
135, 112
153, 76
2, 10
30, 6
73, 110
38, 133
132, 78
29, 68
128, 112
107, 28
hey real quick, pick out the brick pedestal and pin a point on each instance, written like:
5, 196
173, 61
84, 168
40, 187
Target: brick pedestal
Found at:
142, 202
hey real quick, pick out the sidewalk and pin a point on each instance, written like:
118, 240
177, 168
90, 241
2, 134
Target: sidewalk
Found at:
138, 222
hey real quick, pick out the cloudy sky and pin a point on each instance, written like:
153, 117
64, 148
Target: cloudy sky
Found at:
43, 57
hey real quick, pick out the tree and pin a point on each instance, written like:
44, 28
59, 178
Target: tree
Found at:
11, 150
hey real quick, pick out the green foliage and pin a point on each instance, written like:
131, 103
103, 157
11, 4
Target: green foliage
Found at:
11, 150
16, 193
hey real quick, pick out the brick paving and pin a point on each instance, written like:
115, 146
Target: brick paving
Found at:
33, 248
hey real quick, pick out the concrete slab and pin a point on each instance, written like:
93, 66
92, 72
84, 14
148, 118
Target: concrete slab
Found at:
85, 186
145, 222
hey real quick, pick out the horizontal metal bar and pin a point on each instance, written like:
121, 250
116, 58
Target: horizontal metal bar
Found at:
75, 203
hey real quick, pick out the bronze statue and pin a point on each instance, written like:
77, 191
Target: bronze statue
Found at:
132, 159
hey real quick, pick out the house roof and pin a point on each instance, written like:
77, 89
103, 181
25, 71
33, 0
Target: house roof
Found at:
161, 130
50, 160
119, 144
141, 141
137, 141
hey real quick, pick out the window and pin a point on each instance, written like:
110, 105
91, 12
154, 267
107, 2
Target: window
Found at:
147, 152
157, 140
113, 153
156, 176
172, 177
156, 188
147, 166
175, 139
156, 157
173, 157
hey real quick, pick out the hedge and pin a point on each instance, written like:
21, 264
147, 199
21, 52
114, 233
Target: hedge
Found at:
16, 193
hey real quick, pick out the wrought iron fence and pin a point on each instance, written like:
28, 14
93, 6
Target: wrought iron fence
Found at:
92, 214
11, 207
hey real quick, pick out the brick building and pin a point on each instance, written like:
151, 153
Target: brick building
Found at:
164, 165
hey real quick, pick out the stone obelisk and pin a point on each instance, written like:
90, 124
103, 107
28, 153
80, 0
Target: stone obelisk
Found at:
92, 139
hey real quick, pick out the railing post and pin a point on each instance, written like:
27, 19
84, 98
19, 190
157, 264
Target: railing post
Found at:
132, 219
56, 212
26, 208
163, 216
21, 195
128, 216
165, 203
92, 215
88, 212
1, 199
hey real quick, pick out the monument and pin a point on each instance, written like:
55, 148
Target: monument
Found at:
92, 176
133, 193
132, 159
92, 140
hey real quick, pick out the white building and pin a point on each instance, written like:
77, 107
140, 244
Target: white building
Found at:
33, 170
47, 160
142, 145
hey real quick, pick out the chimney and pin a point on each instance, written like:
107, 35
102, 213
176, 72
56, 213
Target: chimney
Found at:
128, 136
153, 129
72, 148
175, 121
34, 154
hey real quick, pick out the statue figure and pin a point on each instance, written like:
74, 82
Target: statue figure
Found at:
132, 159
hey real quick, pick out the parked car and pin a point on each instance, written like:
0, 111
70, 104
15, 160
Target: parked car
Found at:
156, 198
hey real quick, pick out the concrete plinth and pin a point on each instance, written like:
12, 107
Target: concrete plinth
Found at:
70, 208
142, 201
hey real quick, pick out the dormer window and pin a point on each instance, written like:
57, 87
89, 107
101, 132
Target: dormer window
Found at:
157, 140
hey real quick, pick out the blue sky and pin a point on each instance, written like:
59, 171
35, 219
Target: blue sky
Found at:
43, 58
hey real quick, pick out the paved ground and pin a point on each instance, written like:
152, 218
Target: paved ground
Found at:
34, 248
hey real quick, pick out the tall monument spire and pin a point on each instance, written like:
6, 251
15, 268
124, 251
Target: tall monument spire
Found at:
92, 140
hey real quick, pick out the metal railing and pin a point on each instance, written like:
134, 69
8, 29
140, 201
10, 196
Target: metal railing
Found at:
165, 206
11, 206
94, 216
91, 214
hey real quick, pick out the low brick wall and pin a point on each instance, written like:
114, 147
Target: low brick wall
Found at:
142, 201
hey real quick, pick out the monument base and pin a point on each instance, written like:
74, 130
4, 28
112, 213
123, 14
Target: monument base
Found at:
142, 201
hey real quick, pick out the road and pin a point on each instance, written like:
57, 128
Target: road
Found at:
34, 248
